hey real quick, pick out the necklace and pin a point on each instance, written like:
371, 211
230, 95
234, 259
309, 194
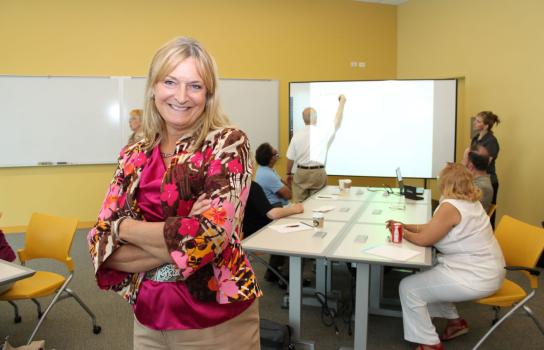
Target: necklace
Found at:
167, 155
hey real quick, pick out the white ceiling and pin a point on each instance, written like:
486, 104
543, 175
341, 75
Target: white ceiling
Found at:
385, 2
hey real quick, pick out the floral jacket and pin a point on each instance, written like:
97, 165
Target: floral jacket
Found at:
206, 248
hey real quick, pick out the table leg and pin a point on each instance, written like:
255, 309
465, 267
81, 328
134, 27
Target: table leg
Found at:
323, 276
295, 295
361, 305
375, 287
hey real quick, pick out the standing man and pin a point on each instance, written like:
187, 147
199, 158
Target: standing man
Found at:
308, 149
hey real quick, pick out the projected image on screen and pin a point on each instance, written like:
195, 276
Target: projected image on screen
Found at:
386, 124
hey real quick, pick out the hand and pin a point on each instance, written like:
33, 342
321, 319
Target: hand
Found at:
342, 99
289, 181
388, 223
298, 207
201, 205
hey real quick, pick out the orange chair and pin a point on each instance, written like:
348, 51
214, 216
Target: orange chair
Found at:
47, 237
521, 246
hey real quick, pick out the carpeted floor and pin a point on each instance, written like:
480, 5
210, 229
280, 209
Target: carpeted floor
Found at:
68, 327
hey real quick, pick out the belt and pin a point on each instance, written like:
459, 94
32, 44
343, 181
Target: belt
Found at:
164, 273
311, 167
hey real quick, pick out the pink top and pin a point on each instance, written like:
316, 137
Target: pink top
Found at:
169, 305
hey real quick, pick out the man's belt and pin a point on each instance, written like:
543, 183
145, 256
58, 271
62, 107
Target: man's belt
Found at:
310, 167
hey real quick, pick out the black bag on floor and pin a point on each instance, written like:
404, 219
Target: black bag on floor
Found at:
275, 336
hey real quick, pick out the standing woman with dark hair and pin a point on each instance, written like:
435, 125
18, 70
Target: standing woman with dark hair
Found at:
483, 123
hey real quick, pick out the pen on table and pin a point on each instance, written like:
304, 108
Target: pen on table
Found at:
307, 224
295, 225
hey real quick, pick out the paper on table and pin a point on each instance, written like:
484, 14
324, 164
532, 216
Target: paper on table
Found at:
327, 196
324, 208
392, 251
286, 228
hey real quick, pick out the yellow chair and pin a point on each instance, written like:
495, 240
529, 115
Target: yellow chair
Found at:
491, 209
521, 245
47, 237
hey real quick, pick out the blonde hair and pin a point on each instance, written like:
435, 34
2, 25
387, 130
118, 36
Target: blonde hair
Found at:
165, 60
136, 113
456, 182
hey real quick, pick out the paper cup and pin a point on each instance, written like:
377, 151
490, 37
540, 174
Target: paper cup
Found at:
318, 220
344, 185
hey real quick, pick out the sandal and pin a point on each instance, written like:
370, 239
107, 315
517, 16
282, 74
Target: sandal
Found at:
438, 346
454, 329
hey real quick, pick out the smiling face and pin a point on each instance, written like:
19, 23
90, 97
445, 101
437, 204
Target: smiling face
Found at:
180, 97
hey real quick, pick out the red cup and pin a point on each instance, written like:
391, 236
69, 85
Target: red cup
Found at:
396, 232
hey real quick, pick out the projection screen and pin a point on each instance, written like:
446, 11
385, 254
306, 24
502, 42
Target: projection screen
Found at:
385, 124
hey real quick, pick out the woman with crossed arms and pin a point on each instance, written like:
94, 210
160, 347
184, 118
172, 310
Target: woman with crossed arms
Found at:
167, 236
470, 264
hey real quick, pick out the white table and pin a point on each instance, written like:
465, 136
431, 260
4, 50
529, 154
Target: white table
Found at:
366, 210
342, 210
296, 245
10, 272
359, 194
380, 212
382, 194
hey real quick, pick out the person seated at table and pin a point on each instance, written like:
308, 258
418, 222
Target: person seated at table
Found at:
276, 190
477, 161
259, 213
470, 265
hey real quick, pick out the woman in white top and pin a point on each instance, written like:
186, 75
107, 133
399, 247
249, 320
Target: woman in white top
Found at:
470, 264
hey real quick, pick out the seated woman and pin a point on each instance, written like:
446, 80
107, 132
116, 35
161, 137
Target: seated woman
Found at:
277, 191
470, 266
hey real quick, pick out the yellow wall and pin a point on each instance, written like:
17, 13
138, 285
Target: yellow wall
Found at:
287, 40
497, 45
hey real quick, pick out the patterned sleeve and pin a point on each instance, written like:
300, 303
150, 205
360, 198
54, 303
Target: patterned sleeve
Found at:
100, 240
222, 169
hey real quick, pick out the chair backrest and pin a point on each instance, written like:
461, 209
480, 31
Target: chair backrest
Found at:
50, 237
521, 243
491, 209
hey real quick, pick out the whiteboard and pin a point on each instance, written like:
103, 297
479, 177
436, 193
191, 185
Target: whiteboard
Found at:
84, 120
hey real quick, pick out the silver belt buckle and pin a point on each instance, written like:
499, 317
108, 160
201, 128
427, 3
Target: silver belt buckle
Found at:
164, 273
